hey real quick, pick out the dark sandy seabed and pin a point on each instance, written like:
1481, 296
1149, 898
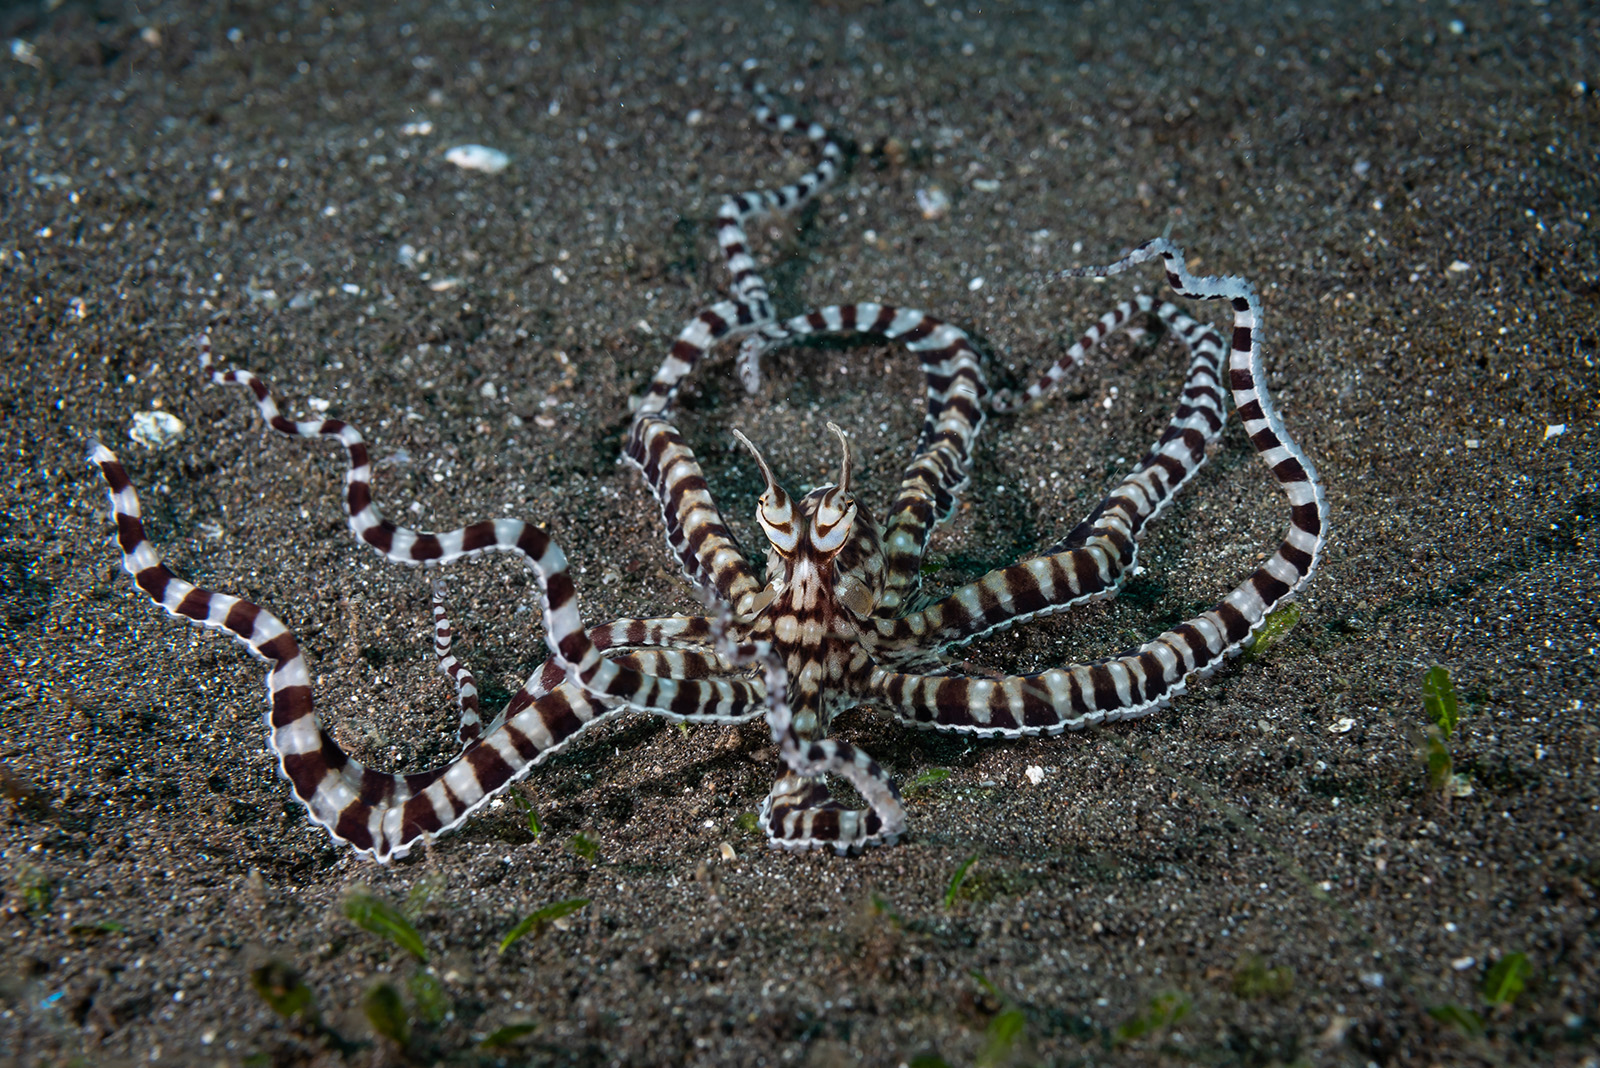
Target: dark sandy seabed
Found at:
1235, 880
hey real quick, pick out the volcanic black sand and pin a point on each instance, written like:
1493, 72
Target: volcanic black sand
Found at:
1260, 874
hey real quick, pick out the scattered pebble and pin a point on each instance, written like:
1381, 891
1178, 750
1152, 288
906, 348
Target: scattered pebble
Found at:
23, 52
1459, 267
975, 285
417, 129
156, 430
440, 285
1461, 964
478, 158
1473, 443
1035, 774
986, 185
317, 404
487, 391
1341, 726
727, 851
933, 202
1554, 430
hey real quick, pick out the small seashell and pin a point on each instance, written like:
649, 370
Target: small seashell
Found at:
478, 158
1341, 726
156, 430
933, 201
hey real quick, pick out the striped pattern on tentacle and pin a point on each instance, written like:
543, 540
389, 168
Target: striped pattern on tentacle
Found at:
380, 815
708, 700
1109, 323
458, 673
674, 632
1093, 561
1139, 682
798, 814
956, 394
668, 646
696, 533
751, 306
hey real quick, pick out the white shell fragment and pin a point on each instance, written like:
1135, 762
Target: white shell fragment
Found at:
933, 202
1343, 725
478, 158
156, 430
1035, 774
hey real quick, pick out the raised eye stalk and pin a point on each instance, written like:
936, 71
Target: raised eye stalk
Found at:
776, 512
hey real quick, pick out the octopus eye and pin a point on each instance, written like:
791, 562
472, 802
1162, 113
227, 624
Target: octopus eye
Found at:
836, 513
773, 510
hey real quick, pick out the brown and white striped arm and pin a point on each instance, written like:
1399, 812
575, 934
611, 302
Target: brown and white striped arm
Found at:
696, 533
459, 674
751, 306
799, 814
1093, 561
1137, 683
703, 700
380, 815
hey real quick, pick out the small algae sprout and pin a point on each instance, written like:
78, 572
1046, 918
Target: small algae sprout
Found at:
1443, 710
1439, 699
281, 987
1160, 1013
1273, 630
1005, 1029
957, 879
1502, 982
1253, 979
429, 997
387, 1014
536, 922
502, 1037
1505, 980
526, 806
584, 846
372, 913
928, 779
